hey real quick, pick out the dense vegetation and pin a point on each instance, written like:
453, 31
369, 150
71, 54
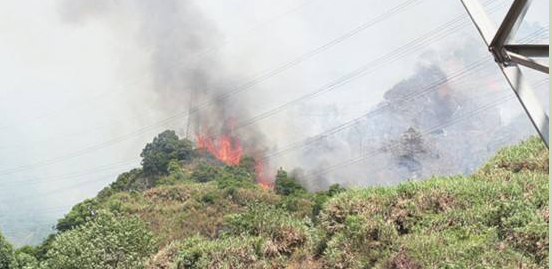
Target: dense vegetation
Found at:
183, 209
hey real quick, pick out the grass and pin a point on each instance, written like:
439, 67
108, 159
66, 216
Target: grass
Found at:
495, 218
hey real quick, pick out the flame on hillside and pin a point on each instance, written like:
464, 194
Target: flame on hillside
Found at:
225, 148
228, 149
262, 177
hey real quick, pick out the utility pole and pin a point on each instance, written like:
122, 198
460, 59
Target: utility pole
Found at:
509, 56
191, 103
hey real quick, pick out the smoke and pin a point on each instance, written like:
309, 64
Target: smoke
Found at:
414, 139
187, 77
161, 52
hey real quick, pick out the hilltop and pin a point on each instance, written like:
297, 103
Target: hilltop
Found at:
185, 209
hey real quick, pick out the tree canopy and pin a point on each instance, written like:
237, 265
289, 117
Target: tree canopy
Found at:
108, 241
286, 185
7, 257
164, 148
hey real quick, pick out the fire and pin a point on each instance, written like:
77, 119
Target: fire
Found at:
228, 149
225, 148
262, 178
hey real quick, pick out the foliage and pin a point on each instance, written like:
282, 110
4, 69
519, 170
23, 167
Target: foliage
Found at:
233, 252
108, 241
284, 232
26, 260
239, 176
205, 172
248, 163
175, 170
497, 218
208, 215
164, 148
127, 181
7, 257
236, 177
321, 197
285, 185
79, 214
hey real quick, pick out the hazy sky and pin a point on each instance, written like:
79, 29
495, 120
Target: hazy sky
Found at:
77, 86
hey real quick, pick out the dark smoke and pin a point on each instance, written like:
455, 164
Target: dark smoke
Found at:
186, 75
400, 145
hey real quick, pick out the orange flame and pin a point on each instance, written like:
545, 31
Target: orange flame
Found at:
228, 149
225, 148
262, 178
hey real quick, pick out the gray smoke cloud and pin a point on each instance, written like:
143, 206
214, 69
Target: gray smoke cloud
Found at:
172, 47
415, 133
186, 74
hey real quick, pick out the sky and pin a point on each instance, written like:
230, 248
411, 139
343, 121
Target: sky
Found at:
83, 84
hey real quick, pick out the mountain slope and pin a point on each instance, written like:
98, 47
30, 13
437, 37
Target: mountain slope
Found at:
204, 214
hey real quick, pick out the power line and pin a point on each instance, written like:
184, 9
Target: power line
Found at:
476, 65
430, 39
71, 187
63, 177
197, 56
473, 67
224, 96
442, 30
490, 105
504, 98
355, 121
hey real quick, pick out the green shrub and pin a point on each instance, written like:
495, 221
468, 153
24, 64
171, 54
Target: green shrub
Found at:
26, 261
164, 148
361, 243
285, 185
284, 232
206, 172
105, 242
450, 249
321, 197
127, 181
496, 218
78, 215
235, 177
232, 252
7, 256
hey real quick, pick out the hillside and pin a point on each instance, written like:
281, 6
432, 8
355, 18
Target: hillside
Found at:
185, 209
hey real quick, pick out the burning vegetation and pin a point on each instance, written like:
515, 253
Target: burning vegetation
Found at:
203, 213
228, 149
225, 148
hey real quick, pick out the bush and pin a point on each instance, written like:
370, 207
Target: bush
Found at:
79, 214
175, 174
106, 242
361, 243
321, 197
205, 173
285, 185
7, 257
164, 148
175, 170
233, 252
285, 233
126, 181
26, 260
497, 218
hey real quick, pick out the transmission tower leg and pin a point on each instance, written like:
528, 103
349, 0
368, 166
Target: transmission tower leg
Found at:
508, 56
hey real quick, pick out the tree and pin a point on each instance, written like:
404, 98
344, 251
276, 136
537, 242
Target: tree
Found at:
7, 257
106, 242
285, 185
164, 148
26, 258
79, 214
